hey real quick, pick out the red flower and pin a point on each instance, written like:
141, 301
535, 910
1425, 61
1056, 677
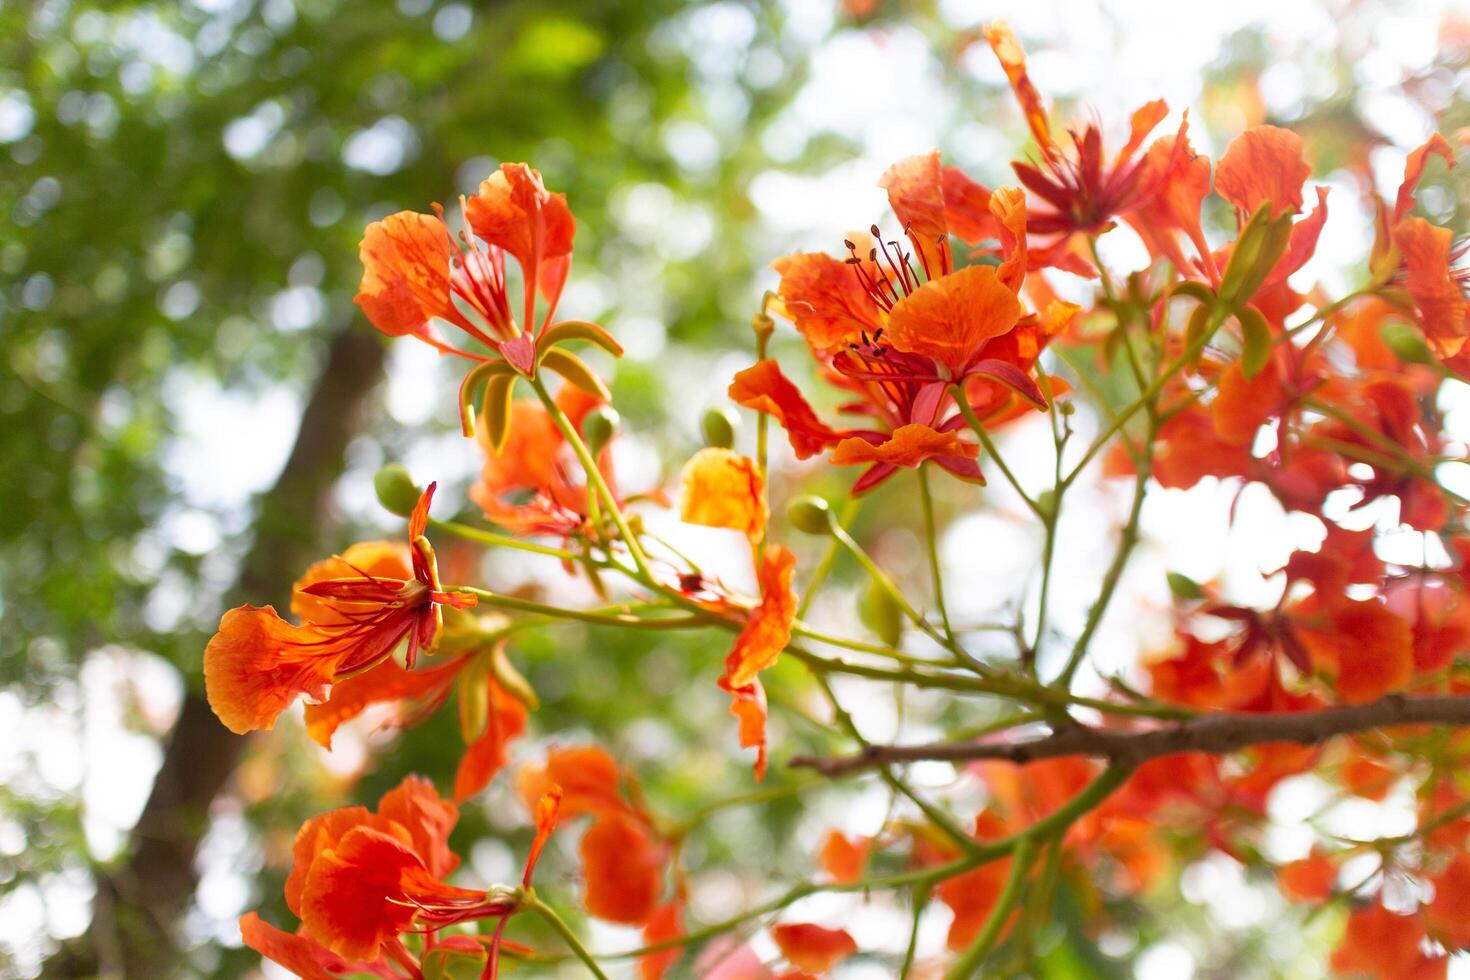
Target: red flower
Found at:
258, 663
1084, 190
896, 324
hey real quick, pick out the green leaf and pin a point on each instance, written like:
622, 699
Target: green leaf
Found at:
1185, 587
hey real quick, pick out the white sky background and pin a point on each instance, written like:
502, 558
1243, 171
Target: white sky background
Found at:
881, 89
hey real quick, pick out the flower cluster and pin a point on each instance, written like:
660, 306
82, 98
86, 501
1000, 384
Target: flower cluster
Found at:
920, 345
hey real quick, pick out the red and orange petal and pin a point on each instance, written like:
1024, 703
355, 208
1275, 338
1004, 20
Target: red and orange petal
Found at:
378, 559
1265, 163
1008, 206
666, 922
764, 388
1183, 181
1242, 406
909, 445
916, 194
768, 628
811, 947
305, 958
1307, 881
623, 868
843, 857
1414, 166
546, 815
1441, 306
721, 488
971, 897
826, 300
1448, 915
257, 664
347, 903
1368, 648
1382, 944
1013, 59
405, 273
489, 753
416, 806
515, 211
587, 775
748, 705
387, 682
951, 318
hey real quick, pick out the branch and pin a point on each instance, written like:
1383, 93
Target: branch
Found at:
1217, 734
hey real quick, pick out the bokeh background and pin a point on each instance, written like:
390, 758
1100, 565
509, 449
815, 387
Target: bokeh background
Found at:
191, 409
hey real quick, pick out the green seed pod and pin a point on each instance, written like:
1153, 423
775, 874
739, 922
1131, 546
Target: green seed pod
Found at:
1406, 343
881, 614
599, 427
810, 514
396, 490
720, 425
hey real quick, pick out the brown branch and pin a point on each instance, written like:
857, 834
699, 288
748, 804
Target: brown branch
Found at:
1216, 734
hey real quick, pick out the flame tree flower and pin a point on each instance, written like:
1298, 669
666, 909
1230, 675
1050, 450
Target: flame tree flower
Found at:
361, 880
355, 610
897, 324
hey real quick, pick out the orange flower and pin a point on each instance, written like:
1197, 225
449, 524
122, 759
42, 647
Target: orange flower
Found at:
258, 663
534, 484
1448, 915
721, 488
623, 853
896, 324
764, 636
361, 879
813, 948
415, 272
622, 863
1084, 190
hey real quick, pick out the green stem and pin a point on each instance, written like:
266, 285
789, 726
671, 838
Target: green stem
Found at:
505, 541
968, 965
594, 616
565, 931
921, 901
931, 538
978, 427
824, 567
594, 476
881, 579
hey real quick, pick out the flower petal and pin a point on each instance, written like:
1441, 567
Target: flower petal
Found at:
623, 868
721, 488
909, 446
488, 754
258, 663
825, 299
384, 683
1013, 59
811, 947
950, 319
764, 388
1442, 309
1264, 163
405, 274
768, 629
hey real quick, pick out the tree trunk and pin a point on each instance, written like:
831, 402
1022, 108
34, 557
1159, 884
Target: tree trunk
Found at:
138, 906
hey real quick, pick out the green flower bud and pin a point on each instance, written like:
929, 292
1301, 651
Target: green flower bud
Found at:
810, 514
720, 425
396, 490
1406, 343
881, 614
599, 427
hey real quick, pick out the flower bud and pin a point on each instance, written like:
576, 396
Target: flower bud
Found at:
600, 425
396, 490
881, 614
1406, 343
810, 514
720, 425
